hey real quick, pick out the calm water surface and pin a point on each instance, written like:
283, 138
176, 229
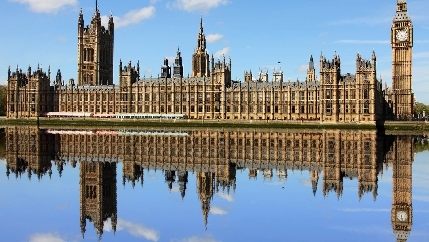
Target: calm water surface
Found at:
212, 185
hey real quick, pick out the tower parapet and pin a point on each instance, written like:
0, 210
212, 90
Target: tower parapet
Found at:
128, 75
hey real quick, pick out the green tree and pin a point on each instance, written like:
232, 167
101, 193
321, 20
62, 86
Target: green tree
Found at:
420, 107
3, 100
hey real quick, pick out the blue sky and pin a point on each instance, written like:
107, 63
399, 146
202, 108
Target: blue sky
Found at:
256, 35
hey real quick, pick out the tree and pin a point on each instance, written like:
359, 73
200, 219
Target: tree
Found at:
420, 107
3, 100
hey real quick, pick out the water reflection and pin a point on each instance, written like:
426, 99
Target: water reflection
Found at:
215, 156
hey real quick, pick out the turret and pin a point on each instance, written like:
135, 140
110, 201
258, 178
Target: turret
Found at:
165, 70
178, 66
111, 25
311, 72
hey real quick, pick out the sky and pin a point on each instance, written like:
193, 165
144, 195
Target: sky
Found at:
256, 35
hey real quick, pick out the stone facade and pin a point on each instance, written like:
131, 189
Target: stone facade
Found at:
210, 93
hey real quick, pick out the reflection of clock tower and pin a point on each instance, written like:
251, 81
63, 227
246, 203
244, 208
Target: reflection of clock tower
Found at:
402, 43
402, 216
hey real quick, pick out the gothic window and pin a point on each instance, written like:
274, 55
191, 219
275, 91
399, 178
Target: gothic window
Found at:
268, 97
293, 108
329, 108
365, 93
260, 96
301, 96
293, 96
217, 97
366, 107
328, 79
235, 96
328, 94
284, 96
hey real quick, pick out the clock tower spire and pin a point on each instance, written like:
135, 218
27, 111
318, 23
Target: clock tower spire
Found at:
402, 44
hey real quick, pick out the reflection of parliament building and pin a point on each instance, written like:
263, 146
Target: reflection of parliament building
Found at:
215, 156
210, 93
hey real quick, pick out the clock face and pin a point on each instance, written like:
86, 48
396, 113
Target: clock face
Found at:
401, 216
401, 35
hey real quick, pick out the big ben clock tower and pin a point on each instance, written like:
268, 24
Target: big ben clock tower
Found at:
402, 44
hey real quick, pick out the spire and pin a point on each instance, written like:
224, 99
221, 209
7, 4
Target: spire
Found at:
311, 63
201, 25
201, 36
96, 6
80, 21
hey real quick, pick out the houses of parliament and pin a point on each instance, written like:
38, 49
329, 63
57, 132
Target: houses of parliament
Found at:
209, 93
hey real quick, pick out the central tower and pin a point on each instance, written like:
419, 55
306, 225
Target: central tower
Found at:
200, 58
95, 51
402, 44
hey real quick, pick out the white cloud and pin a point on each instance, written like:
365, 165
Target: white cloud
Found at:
3, 162
175, 188
365, 229
306, 183
170, 60
196, 5
46, 6
132, 17
217, 211
360, 42
323, 34
136, 230
362, 21
421, 55
48, 237
149, 72
212, 38
152, 2
226, 197
61, 39
302, 68
199, 239
359, 210
222, 52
